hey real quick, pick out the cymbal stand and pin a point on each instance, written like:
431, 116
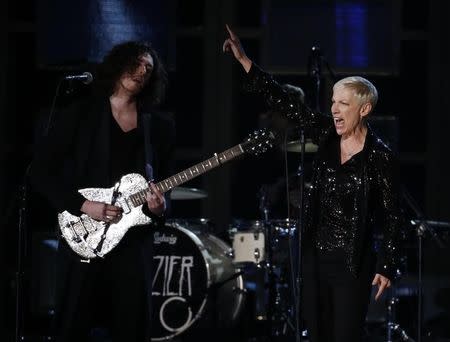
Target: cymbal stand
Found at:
422, 226
300, 224
275, 312
391, 325
263, 207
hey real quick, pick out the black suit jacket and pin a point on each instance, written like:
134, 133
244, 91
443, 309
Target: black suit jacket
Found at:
378, 192
76, 153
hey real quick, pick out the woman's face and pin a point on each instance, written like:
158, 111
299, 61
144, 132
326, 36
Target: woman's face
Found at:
347, 110
133, 81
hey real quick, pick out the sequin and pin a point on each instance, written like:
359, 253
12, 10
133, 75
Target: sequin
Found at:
342, 210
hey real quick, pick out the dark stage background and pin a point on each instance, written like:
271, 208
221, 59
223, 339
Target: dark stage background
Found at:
402, 46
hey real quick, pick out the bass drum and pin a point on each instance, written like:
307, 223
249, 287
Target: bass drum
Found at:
195, 284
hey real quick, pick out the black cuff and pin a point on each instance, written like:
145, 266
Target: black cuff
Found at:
74, 205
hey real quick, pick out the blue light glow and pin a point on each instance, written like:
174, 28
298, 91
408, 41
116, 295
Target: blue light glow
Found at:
114, 22
84, 30
351, 35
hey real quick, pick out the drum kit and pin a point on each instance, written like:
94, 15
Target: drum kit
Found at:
239, 285
244, 284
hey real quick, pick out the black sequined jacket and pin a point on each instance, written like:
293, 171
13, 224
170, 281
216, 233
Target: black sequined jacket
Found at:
378, 181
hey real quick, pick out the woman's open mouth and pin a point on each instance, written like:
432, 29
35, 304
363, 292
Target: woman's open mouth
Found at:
338, 122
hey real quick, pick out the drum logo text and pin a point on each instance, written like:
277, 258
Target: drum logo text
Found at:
168, 266
158, 239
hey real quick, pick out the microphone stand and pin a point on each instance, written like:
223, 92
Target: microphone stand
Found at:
315, 70
21, 255
314, 67
19, 201
23, 232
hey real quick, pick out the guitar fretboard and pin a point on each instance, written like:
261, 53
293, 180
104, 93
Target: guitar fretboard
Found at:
188, 174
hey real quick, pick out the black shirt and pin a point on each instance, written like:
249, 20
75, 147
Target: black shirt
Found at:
124, 146
338, 198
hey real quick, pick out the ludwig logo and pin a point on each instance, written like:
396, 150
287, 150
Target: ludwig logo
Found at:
158, 239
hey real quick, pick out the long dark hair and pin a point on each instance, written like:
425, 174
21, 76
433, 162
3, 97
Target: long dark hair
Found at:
125, 58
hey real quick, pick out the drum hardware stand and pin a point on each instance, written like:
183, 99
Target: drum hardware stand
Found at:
403, 335
300, 224
422, 226
391, 326
274, 297
267, 229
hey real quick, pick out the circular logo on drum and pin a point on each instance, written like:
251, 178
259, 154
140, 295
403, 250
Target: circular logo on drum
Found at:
180, 280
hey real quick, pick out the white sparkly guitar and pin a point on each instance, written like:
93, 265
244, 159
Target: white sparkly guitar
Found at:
90, 238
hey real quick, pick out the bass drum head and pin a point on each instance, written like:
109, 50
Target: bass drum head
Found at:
189, 272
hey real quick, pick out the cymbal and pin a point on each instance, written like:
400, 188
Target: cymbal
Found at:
181, 193
295, 146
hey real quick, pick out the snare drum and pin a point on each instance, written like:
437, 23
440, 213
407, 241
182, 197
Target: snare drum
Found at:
190, 273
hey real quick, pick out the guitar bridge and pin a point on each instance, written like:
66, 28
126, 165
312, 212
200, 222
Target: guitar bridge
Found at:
75, 237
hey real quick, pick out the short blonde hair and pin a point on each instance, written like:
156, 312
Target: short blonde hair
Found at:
363, 89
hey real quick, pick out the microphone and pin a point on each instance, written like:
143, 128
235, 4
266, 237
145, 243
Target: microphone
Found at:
86, 77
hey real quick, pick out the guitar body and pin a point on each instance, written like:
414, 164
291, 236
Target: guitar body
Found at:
90, 238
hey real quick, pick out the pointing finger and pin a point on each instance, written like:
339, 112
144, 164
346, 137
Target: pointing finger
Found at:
231, 33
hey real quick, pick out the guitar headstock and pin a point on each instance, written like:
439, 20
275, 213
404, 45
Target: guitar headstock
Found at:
258, 142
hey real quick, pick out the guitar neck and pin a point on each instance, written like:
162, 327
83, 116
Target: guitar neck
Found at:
190, 173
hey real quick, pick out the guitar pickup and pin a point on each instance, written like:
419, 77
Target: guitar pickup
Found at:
123, 203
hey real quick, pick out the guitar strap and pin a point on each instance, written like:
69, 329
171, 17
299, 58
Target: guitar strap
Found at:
146, 126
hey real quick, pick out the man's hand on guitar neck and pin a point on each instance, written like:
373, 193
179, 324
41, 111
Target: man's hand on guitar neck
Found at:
155, 200
101, 211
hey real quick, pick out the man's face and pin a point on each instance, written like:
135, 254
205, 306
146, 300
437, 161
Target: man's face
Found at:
133, 81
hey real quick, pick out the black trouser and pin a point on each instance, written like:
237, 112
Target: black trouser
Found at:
113, 292
335, 301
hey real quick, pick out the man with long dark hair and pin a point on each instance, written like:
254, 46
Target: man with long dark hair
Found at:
94, 143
